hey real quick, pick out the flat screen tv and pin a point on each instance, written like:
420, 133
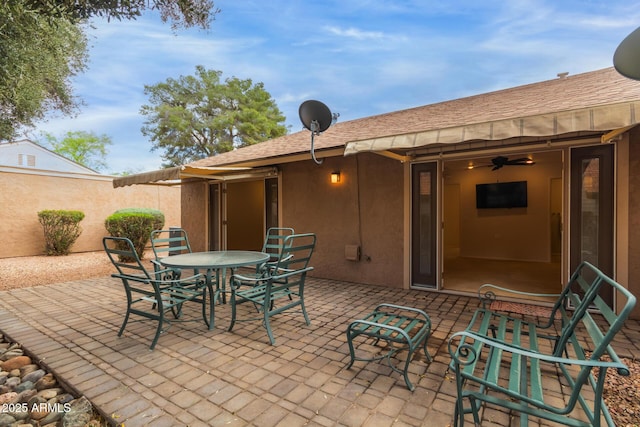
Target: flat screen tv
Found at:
501, 195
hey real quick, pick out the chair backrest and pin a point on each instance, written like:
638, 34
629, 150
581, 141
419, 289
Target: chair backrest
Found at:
169, 242
593, 315
296, 252
274, 240
121, 248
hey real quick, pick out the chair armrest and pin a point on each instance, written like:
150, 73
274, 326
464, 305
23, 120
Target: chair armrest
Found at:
487, 294
144, 279
288, 273
465, 353
283, 273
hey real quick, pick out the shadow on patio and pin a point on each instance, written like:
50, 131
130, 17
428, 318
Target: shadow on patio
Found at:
201, 377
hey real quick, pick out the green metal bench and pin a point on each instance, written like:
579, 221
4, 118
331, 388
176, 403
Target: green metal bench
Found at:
407, 326
521, 364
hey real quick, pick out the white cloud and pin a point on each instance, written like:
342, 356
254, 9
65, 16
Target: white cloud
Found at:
360, 57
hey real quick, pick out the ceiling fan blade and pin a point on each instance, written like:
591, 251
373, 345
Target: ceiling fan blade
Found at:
520, 161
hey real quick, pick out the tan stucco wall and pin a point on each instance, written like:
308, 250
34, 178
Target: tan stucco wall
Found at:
341, 215
634, 217
23, 195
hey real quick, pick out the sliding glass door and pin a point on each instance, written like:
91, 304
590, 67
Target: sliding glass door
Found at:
424, 220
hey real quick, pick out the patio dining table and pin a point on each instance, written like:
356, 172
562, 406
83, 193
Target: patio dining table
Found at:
215, 261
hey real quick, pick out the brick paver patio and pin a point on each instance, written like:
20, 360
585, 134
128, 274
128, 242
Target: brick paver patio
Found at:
198, 377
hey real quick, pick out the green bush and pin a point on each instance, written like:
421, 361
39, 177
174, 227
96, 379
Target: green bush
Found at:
61, 230
136, 224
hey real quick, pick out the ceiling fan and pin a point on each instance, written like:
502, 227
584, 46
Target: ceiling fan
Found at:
500, 161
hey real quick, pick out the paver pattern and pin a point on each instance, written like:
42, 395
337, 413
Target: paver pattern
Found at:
198, 377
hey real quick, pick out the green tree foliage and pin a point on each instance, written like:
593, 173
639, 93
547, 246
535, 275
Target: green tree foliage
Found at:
38, 57
43, 45
86, 148
195, 117
181, 13
61, 230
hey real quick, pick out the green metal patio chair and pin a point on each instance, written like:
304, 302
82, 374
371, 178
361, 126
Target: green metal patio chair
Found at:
273, 241
169, 242
283, 281
162, 289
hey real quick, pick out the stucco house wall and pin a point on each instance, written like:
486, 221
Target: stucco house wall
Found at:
23, 195
369, 216
195, 209
634, 217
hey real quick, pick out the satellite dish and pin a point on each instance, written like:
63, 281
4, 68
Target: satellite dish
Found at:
626, 59
316, 117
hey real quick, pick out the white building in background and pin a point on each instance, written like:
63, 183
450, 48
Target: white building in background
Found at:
29, 155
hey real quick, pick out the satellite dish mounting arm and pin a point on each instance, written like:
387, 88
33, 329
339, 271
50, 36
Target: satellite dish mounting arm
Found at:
316, 117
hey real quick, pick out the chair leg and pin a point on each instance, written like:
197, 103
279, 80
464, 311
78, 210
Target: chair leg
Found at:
212, 299
124, 323
352, 353
267, 325
233, 311
159, 328
304, 312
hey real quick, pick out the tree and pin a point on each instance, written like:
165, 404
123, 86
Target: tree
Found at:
181, 13
38, 56
43, 45
199, 116
86, 148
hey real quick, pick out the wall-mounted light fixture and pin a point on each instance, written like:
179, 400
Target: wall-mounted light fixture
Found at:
335, 177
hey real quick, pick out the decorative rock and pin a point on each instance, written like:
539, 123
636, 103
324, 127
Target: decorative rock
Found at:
27, 369
10, 352
79, 413
33, 376
48, 393
52, 417
6, 420
9, 397
26, 395
38, 415
21, 416
12, 383
47, 381
24, 385
35, 401
16, 362
64, 398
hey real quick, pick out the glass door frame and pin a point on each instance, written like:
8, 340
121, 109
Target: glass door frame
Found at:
606, 233
433, 280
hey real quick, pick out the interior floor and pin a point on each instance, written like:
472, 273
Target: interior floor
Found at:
468, 274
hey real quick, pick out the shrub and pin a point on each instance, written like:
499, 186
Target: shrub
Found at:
61, 230
136, 224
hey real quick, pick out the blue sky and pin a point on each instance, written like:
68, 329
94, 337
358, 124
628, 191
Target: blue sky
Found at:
360, 57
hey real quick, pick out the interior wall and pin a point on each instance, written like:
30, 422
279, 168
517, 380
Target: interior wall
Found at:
365, 209
521, 234
245, 215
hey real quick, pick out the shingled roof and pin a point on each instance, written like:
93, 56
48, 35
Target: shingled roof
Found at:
600, 100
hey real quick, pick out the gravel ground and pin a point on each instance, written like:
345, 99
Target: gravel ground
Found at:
622, 394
